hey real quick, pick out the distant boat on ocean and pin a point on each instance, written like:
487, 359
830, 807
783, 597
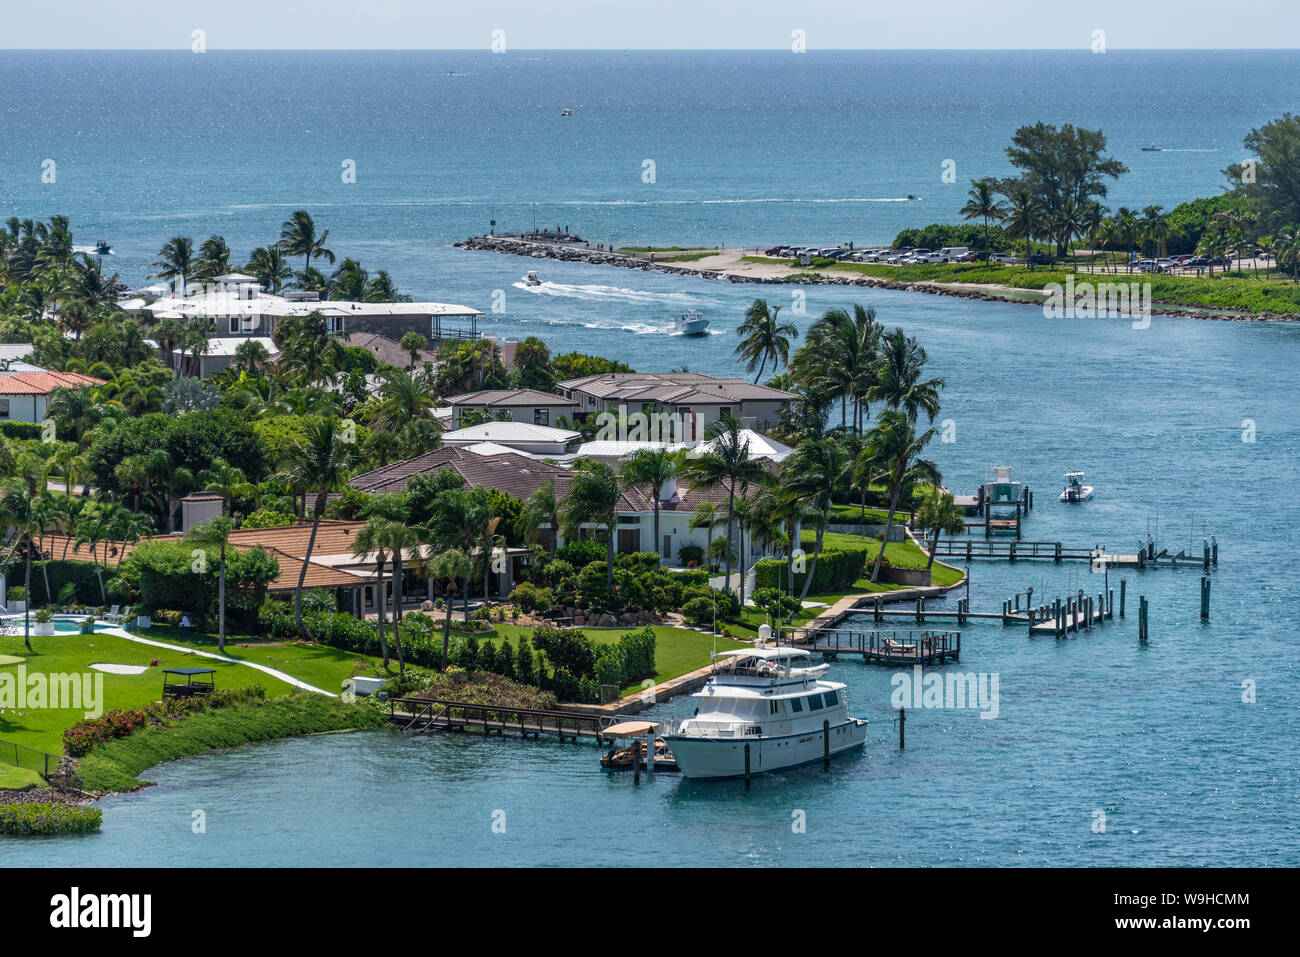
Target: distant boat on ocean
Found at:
531, 279
1153, 149
566, 112
691, 323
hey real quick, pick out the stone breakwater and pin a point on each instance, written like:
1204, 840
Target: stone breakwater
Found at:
598, 257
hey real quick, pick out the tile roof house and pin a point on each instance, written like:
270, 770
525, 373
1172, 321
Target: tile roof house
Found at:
519, 405
24, 396
694, 395
386, 350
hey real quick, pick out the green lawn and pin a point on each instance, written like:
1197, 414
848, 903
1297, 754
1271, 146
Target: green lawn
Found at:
678, 651
903, 554
319, 665
42, 728
18, 778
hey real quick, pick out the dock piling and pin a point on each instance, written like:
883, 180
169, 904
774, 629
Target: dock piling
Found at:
902, 723
1122, 584
1205, 598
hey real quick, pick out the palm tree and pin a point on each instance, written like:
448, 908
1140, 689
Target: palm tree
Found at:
1155, 228
371, 539
214, 259
810, 477
764, 339
725, 463
250, 356
983, 203
413, 343
227, 481
894, 447
938, 514
540, 508
175, 259
318, 462
653, 468
18, 511
216, 532
838, 361
706, 516
593, 499
899, 384
449, 565
268, 264
1128, 231
1024, 219
298, 238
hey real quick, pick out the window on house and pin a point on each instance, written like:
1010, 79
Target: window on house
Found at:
4, 408
541, 416
724, 411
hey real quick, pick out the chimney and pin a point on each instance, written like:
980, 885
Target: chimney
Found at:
668, 491
200, 507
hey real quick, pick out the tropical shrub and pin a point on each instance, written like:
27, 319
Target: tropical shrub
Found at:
24, 820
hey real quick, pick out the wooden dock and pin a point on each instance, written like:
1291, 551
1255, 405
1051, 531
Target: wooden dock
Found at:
421, 715
1147, 556
883, 647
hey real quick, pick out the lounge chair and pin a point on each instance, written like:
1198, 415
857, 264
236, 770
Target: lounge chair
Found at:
117, 618
112, 614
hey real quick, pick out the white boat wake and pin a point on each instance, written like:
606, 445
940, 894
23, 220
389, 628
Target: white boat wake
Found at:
596, 293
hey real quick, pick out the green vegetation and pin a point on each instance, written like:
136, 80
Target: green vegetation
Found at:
115, 765
26, 820
15, 779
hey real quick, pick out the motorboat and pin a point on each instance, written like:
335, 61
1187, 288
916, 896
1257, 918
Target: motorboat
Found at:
912, 196
630, 741
102, 248
532, 279
1153, 149
691, 323
566, 112
1075, 490
764, 709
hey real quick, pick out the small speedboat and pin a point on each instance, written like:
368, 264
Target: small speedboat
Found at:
624, 737
1075, 490
102, 248
566, 112
531, 279
691, 323
1153, 149
912, 196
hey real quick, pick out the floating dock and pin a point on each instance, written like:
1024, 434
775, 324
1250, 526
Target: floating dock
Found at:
884, 647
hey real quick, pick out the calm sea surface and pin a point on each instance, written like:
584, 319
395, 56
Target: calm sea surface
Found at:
758, 148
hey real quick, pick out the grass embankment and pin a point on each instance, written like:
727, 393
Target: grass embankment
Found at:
116, 764
42, 728
27, 820
15, 779
678, 651
903, 554
323, 666
1230, 293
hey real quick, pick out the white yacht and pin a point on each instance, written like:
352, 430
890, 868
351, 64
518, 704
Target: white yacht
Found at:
1075, 490
691, 323
769, 700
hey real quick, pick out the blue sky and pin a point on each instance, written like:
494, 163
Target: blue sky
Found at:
657, 24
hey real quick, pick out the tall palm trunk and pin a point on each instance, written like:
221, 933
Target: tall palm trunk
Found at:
446, 629
318, 511
889, 524
221, 603
27, 599
380, 602
397, 610
817, 553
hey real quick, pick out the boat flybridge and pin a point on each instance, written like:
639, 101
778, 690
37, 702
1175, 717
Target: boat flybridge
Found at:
691, 323
771, 700
1075, 490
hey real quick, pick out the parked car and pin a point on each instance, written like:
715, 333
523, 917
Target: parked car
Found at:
971, 257
1004, 258
1041, 259
775, 250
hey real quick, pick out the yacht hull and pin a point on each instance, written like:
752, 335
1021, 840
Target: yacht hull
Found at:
717, 759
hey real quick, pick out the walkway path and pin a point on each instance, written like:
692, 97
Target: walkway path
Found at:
283, 676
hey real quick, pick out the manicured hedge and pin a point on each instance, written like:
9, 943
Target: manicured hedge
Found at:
837, 569
25, 820
20, 430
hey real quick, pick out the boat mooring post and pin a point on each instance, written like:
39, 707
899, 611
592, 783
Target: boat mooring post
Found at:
1205, 598
1214, 549
636, 761
826, 745
746, 765
650, 752
902, 723
1122, 583
1205, 548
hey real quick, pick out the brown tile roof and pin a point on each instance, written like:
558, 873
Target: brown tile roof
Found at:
516, 475
43, 383
509, 397
674, 388
386, 350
